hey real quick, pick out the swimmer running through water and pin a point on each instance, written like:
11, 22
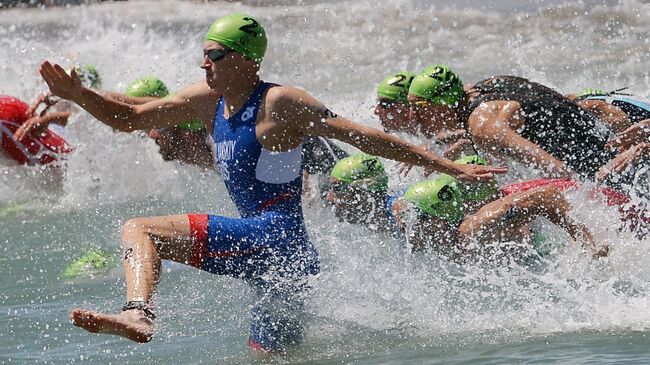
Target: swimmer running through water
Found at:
258, 129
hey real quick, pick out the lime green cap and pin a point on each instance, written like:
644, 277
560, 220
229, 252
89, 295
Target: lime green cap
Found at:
147, 86
439, 198
472, 160
89, 76
93, 262
194, 124
12, 209
239, 32
439, 85
361, 169
477, 191
395, 87
587, 92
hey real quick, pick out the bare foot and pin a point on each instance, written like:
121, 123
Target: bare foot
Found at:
131, 324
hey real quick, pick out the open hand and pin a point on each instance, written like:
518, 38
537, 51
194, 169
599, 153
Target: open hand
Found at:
477, 173
404, 168
44, 98
619, 163
637, 133
32, 125
60, 83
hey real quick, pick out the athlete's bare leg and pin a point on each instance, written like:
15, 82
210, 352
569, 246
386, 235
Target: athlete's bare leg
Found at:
145, 242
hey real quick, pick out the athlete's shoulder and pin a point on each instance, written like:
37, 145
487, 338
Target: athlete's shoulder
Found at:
199, 97
280, 93
488, 115
290, 99
496, 105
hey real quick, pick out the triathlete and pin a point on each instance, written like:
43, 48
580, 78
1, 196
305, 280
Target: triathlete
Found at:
258, 130
513, 117
187, 142
359, 193
450, 216
442, 221
392, 107
393, 111
31, 134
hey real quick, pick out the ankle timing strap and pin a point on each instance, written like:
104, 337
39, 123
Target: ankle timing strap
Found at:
143, 306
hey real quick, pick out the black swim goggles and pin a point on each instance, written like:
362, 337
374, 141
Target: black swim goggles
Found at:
385, 104
375, 183
216, 55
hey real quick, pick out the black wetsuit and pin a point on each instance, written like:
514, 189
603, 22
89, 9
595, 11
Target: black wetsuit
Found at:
320, 155
558, 126
515, 85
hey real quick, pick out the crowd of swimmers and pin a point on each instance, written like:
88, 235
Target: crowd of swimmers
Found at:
262, 137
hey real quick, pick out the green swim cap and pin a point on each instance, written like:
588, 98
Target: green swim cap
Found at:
194, 124
395, 87
89, 76
439, 198
585, 93
361, 170
12, 209
240, 32
477, 191
147, 86
438, 84
93, 262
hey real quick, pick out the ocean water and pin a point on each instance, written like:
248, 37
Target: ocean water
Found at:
374, 302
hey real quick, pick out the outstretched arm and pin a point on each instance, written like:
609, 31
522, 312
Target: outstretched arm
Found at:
610, 114
637, 133
625, 159
131, 100
195, 100
297, 114
492, 127
38, 124
507, 216
549, 202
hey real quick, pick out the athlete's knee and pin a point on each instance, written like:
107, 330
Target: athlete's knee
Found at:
136, 226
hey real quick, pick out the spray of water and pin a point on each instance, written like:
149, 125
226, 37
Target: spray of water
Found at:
372, 294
